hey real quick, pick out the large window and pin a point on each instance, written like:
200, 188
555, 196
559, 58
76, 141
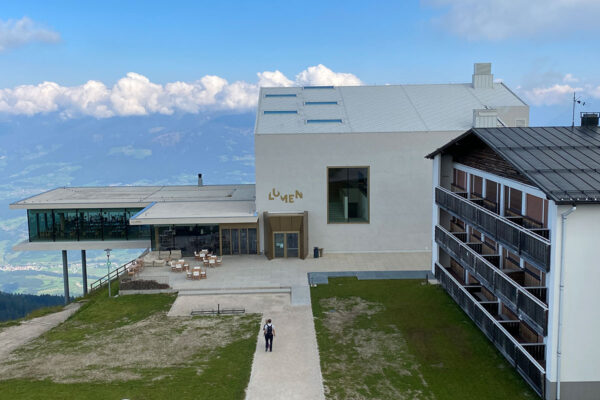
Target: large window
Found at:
348, 195
84, 224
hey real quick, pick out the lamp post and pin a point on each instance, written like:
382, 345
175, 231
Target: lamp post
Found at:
108, 268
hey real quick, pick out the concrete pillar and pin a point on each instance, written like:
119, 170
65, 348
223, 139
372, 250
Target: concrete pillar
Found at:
66, 276
84, 272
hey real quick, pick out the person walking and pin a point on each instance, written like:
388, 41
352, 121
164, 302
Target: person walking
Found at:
269, 331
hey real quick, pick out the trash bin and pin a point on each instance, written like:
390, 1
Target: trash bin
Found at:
316, 252
320, 252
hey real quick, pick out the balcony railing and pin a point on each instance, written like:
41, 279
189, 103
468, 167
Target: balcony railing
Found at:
531, 246
515, 297
519, 355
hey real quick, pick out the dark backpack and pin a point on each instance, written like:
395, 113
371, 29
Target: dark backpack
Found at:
269, 329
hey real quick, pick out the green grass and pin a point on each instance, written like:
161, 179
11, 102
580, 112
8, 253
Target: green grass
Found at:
221, 372
442, 353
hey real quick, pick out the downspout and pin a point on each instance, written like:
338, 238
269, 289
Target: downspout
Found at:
563, 218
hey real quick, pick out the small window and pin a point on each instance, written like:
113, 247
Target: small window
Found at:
318, 87
323, 121
280, 112
280, 95
319, 103
348, 195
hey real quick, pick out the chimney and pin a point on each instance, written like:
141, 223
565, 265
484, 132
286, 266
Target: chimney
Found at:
589, 119
482, 76
485, 118
200, 180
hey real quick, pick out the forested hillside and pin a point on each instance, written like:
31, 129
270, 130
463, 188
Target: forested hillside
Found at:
13, 306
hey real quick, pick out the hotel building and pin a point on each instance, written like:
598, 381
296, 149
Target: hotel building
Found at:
515, 230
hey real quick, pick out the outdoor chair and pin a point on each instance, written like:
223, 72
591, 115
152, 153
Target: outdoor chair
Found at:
189, 275
202, 274
196, 275
219, 261
212, 263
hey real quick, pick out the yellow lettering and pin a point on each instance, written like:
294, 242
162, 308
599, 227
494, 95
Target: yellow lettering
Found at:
284, 198
291, 197
298, 194
275, 193
271, 196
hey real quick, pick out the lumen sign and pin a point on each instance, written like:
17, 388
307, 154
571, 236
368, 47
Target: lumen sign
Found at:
285, 197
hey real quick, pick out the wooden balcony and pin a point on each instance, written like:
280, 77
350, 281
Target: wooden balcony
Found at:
529, 244
523, 356
513, 296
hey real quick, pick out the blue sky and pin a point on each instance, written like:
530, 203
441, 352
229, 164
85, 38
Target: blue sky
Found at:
541, 49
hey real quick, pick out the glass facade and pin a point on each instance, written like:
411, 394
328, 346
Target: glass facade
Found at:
239, 241
84, 224
187, 238
348, 195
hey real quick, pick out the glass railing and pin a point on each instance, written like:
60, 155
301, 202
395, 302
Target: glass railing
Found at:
528, 245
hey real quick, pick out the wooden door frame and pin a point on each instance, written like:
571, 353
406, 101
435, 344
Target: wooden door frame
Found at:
285, 243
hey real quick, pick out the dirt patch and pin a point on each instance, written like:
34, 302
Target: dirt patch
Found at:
130, 351
367, 363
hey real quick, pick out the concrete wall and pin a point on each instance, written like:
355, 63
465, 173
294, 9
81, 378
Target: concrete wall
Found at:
400, 185
580, 375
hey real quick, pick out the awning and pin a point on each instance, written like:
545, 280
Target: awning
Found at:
82, 245
197, 212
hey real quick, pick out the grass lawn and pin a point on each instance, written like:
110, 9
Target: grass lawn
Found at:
127, 347
403, 339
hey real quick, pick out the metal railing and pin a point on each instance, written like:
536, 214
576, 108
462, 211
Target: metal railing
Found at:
114, 274
531, 246
515, 297
516, 353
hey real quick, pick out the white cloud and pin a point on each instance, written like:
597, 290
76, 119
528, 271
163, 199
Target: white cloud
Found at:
130, 151
551, 95
135, 94
17, 33
168, 139
502, 19
555, 90
321, 75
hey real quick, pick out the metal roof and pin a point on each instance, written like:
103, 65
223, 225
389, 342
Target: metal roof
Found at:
133, 196
197, 212
371, 109
563, 162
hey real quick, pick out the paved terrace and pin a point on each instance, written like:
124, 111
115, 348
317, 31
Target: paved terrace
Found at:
256, 274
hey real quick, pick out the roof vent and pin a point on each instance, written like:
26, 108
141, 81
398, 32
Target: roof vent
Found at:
482, 76
485, 118
200, 180
590, 119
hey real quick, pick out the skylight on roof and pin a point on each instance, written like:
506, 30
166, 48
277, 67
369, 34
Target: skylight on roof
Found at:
323, 121
319, 103
280, 95
280, 112
318, 87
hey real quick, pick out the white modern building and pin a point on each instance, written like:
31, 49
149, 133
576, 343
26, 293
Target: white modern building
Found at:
515, 232
339, 168
342, 168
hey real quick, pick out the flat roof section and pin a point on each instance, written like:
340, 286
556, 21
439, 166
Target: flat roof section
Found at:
133, 196
191, 212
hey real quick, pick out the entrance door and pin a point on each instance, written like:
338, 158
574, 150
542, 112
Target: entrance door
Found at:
286, 244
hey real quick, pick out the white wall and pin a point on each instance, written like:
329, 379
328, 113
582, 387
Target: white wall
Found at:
400, 185
581, 302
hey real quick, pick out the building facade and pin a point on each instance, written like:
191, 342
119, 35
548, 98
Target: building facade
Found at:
351, 158
514, 232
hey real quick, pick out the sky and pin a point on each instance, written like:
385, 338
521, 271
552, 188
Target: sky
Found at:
113, 58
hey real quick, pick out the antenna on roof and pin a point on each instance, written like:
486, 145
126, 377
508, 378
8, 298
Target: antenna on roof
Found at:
576, 101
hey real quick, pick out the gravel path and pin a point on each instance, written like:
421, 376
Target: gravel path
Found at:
16, 336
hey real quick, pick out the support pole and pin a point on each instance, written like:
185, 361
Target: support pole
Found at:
84, 272
66, 276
